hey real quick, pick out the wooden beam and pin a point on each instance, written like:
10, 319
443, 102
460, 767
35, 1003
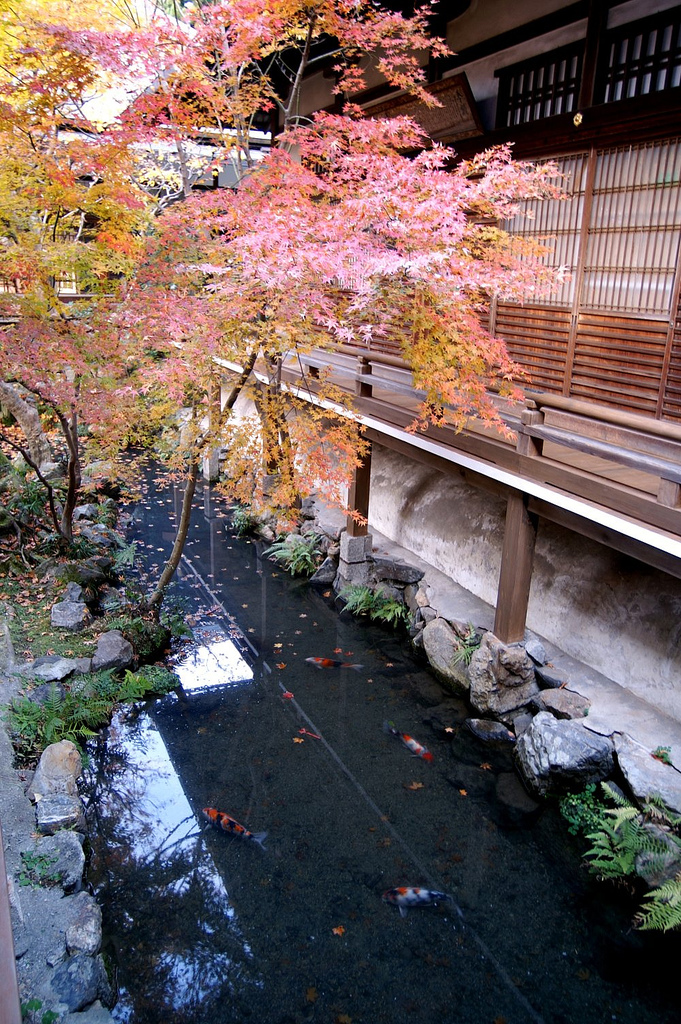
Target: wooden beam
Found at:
516, 570
358, 497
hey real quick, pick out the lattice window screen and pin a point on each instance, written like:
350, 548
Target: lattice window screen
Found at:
633, 241
557, 223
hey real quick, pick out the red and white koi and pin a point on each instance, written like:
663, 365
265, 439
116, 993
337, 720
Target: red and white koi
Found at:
231, 825
405, 896
331, 663
416, 748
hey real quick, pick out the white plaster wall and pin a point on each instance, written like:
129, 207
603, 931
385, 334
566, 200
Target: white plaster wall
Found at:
609, 611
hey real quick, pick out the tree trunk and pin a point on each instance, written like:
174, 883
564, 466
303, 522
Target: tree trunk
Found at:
29, 420
154, 602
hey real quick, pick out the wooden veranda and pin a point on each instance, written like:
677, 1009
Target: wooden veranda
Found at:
605, 473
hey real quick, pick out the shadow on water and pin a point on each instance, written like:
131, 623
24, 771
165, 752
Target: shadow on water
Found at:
209, 928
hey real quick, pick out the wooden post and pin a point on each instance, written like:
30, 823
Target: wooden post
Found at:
363, 388
358, 497
10, 1012
516, 570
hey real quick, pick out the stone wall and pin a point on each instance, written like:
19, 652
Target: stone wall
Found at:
609, 611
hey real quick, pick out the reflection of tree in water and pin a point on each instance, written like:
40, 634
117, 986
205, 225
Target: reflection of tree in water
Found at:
163, 899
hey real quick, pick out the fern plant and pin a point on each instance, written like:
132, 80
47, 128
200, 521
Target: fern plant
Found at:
300, 555
243, 520
467, 646
362, 600
661, 907
643, 842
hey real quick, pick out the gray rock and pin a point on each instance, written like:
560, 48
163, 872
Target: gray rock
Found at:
555, 756
536, 650
113, 651
548, 680
441, 645
326, 573
645, 775
517, 804
59, 811
84, 933
52, 668
397, 572
72, 615
79, 981
59, 767
562, 703
73, 592
7, 659
65, 851
486, 729
95, 1014
501, 678
97, 533
88, 511
663, 864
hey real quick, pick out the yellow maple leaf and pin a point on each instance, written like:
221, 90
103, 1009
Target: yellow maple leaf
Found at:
297, 739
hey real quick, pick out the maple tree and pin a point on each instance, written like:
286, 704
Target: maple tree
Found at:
233, 284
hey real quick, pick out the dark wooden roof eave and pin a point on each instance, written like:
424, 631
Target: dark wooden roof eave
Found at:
642, 119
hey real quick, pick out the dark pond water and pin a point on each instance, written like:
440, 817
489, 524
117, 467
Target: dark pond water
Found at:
207, 928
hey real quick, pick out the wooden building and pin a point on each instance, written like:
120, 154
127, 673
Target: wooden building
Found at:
596, 86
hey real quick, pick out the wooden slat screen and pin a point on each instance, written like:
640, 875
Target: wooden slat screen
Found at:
618, 361
537, 338
633, 240
641, 57
540, 87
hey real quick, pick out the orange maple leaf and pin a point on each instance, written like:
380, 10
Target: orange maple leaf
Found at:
339, 930
281, 664
297, 739
413, 785
463, 792
486, 766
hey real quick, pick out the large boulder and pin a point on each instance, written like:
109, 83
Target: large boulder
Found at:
442, 645
501, 678
57, 811
59, 766
63, 852
555, 756
84, 933
113, 651
645, 775
72, 615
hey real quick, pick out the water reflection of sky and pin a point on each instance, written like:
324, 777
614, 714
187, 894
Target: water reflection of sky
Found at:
166, 845
218, 663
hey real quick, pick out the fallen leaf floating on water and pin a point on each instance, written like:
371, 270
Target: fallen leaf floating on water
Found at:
463, 792
297, 739
281, 664
311, 994
339, 930
486, 766
343, 1018
287, 695
413, 785
338, 650
303, 615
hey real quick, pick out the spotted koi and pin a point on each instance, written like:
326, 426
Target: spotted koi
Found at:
405, 896
231, 825
416, 748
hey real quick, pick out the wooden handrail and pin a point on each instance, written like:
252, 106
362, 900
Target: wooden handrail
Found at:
618, 417
10, 1010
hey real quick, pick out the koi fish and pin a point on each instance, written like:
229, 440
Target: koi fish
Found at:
231, 825
409, 741
331, 663
404, 897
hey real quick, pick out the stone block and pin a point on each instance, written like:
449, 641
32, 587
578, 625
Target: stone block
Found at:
355, 549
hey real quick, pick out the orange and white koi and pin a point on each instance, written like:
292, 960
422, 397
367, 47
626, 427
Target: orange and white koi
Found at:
231, 825
331, 663
416, 748
405, 896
